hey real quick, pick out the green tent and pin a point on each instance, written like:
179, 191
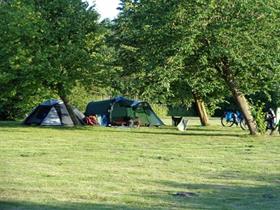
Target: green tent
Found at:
122, 109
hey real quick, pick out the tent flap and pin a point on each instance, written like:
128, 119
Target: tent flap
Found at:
52, 118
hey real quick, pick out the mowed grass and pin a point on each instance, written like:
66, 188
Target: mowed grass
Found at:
117, 168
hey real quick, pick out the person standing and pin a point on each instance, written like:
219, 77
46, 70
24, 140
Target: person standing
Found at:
270, 118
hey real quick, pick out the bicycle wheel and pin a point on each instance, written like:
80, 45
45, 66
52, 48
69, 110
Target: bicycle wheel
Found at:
225, 122
243, 124
275, 129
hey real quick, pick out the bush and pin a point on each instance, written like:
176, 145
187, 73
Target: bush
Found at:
259, 114
81, 96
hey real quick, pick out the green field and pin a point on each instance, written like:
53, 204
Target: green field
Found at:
118, 168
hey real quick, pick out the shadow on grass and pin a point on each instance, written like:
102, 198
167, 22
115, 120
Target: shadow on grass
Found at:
269, 180
171, 194
205, 133
199, 196
165, 130
16, 124
189, 132
11, 124
219, 196
23, 205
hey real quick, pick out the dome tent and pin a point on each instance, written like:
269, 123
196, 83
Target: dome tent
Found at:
52, 113
120, 108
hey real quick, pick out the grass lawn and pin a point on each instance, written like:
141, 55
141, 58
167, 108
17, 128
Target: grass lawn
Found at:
116, 168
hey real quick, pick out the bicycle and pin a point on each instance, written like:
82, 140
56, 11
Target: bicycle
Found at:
230, 118
273, 128
270, 128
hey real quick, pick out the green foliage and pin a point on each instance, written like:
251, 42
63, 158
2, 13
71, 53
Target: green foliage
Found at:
260, 116
160, 110
271, 99
81, 96
47, 48
20, 104
165, 56
210, 48
140, 51
20, 88
70, 44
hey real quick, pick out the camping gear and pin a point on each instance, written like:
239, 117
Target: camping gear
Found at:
91, 120
176, 120
52, 113
182, 126
119, 110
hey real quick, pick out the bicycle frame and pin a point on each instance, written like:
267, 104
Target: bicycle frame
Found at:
230, 116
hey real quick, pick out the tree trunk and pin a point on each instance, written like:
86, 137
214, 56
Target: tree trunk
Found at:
239, 98
201, 110
245, 109
65, 100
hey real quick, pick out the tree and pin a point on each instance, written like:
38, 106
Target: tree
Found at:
67, 46
19, 41
239, 40
224, 42
147, 43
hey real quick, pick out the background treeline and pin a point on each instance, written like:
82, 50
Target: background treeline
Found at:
172, 53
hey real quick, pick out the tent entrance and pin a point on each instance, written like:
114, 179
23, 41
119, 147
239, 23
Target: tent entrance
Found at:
52, 118
121, 113
143, 116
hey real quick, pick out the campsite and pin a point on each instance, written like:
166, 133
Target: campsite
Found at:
139, 105
114, 168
